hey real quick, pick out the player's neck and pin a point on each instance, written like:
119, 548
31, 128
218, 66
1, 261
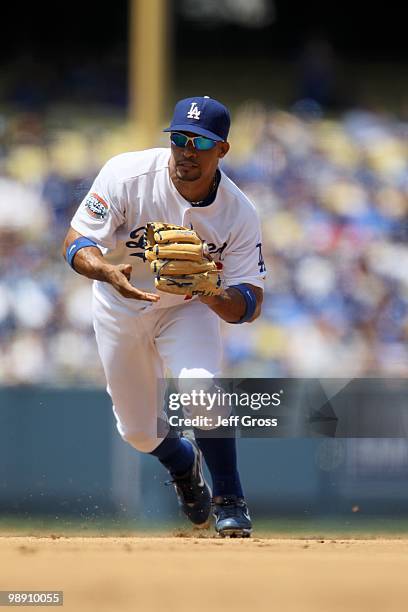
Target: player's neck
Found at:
194, 191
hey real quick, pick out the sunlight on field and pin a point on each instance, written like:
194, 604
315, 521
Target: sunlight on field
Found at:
185, 573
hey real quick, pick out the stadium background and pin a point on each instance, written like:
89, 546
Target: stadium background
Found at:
319, 142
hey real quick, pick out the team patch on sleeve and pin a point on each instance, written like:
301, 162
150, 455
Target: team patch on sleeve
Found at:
96, 207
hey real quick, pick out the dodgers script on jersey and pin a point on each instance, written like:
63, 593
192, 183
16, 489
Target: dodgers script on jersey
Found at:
135, 188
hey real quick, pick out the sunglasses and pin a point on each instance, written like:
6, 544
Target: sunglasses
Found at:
201, 143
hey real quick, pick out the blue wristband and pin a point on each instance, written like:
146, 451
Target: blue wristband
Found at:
250, 301
75, 246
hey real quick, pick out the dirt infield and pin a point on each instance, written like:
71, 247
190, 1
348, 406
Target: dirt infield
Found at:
123, 574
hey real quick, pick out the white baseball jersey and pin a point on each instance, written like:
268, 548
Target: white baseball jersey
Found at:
134, 188
138, 341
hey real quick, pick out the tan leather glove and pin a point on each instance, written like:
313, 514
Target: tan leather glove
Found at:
180, 260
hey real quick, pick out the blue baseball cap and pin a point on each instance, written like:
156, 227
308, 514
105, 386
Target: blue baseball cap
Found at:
203, 116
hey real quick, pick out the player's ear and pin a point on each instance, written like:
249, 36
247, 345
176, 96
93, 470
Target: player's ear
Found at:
223, 149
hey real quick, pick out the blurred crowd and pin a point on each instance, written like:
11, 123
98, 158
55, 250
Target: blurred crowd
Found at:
333, 199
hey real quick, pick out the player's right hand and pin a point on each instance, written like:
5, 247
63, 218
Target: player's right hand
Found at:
119, 277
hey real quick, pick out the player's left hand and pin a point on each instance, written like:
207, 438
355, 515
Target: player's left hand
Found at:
180, 261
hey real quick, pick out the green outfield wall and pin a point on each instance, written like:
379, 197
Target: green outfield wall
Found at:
60, 454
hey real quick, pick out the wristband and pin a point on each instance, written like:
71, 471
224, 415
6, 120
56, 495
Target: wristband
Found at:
75, 246
250, 302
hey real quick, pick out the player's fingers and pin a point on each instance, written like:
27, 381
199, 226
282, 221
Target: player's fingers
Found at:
149, 297
120, 280
126, 270
141, 295
127, 290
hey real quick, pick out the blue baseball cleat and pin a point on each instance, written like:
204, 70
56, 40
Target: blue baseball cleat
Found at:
231, 517
193, 492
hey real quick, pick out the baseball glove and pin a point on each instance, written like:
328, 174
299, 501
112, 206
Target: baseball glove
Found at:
180, 260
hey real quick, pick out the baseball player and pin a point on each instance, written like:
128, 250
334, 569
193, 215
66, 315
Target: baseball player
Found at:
172, 210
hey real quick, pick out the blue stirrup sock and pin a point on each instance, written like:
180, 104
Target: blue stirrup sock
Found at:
176, 454
221, 458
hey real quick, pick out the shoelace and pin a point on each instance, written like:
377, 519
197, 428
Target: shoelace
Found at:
230, 509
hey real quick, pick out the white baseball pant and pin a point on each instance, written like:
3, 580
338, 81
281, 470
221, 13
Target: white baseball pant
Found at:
136, 350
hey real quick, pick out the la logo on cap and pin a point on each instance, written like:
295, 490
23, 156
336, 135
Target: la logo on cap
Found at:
194, 113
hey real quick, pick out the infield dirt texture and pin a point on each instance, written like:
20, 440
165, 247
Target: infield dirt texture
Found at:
123, 574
